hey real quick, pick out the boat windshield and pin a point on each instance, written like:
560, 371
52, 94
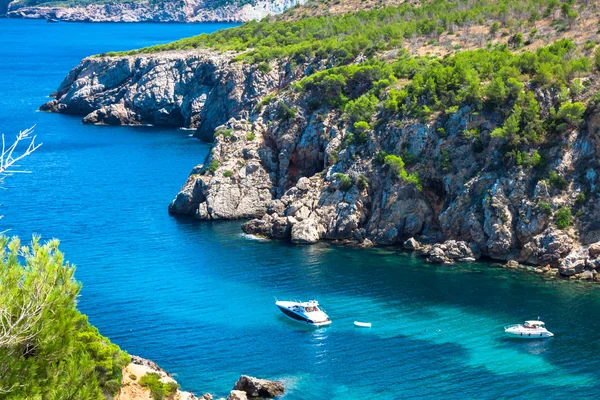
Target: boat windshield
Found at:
533, 325
311, 308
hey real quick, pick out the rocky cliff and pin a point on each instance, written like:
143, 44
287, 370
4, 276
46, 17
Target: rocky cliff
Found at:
294, 168
151, 11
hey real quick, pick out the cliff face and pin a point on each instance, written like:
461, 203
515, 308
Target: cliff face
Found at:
282, 168
200, 89
152, 11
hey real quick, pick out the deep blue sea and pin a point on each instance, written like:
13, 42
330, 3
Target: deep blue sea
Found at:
198, 297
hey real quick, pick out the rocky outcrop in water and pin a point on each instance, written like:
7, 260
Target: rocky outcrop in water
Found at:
255, 387
298, 178
152, 11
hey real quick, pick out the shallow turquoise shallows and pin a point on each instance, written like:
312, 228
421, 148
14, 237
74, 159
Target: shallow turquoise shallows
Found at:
198, 298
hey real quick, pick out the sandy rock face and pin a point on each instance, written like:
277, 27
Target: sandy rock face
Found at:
132, 390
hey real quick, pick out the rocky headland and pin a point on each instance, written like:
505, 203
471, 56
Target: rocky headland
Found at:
150, 11
294, 167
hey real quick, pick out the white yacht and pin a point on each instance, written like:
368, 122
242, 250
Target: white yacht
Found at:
307, 312
529, 330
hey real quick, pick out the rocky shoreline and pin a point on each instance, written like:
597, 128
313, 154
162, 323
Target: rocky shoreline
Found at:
148, 11
247, 387
291, 170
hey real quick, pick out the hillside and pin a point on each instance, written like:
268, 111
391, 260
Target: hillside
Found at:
467, 125
146, 10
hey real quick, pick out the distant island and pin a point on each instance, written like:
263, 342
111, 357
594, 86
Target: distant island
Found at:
145, 10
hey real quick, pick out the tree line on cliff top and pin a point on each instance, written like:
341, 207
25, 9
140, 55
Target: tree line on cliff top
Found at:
341, 38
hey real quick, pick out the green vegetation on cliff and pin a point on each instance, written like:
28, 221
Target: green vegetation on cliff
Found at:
341, 38
48, 349
487, 80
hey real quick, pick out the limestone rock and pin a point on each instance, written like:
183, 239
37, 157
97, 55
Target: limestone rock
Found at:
237, 395
574, 263
262, 388
411, 244
306, 231
437, 256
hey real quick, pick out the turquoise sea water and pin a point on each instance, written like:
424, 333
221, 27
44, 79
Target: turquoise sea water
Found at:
198, 297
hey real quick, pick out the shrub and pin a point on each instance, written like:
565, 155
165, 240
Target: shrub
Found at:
362, 182
576, 87
395, 164
284, 112
250, 136
580, 198
544, 208
227, 174
362, 108
360, 132
563, 218
494, 28
224, 132
589, 44
526, 160
267, 99
214, 165
445, 160
158, 389
571, 113
344, 181
264, 67
380, 157
556, 181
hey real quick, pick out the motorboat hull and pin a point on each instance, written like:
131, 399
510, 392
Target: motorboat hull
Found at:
524, 333
299, 317
530, 335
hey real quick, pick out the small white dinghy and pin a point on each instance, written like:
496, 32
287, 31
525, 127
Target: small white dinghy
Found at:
362, 324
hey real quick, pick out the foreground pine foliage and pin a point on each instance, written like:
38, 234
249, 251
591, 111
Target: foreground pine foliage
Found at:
48, 349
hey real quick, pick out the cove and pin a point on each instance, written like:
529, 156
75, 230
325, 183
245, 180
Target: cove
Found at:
197, 298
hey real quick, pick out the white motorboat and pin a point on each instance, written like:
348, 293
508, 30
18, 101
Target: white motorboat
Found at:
529, 330
306, 312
